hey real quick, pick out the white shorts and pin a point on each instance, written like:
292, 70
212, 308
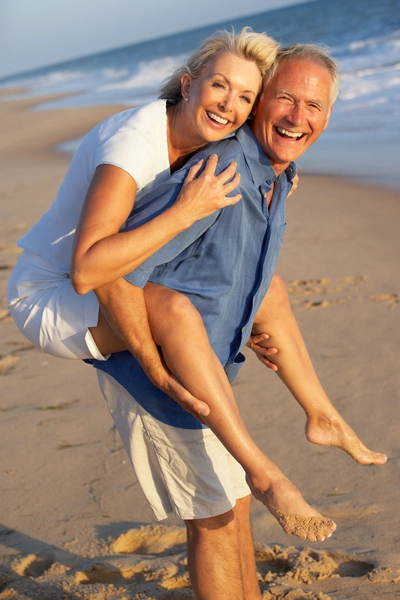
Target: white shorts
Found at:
184, 471
48, 311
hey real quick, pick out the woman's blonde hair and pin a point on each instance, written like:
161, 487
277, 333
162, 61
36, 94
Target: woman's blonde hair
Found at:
246, 44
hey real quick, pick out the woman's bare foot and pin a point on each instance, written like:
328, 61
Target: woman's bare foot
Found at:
293, 513
334, 431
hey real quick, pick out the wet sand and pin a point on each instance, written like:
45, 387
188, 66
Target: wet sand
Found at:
74, 524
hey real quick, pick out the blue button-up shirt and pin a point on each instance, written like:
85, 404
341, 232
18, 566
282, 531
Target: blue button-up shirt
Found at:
223, 264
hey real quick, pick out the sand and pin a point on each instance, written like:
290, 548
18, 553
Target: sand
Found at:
74, 524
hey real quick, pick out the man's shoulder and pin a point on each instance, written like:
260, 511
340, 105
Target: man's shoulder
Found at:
227, 147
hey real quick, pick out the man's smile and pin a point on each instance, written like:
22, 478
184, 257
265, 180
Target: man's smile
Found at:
288, 134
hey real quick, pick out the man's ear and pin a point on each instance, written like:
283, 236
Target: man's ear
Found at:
186, 82
328, 117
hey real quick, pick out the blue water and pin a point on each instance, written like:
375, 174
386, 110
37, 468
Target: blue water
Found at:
363, 138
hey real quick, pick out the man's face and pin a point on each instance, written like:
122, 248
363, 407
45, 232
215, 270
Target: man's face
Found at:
293, 111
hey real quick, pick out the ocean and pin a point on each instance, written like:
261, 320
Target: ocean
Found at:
363, 138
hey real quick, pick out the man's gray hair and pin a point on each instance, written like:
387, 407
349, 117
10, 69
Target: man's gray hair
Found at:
313, 53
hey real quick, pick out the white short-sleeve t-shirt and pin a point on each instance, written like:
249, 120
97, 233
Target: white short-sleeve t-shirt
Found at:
134, 140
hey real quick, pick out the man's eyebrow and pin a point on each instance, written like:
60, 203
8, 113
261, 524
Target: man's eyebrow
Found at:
309, 100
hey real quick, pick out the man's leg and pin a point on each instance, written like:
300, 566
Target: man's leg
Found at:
221, 556
324, 425
190, 473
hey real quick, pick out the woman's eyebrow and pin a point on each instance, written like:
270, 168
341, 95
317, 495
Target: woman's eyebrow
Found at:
228, 82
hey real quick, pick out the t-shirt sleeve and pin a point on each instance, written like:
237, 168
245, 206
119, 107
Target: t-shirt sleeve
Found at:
130, 150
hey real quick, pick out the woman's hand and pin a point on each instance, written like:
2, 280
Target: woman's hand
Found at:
203, 192
261, 352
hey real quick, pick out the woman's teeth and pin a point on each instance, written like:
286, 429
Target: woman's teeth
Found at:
216, 118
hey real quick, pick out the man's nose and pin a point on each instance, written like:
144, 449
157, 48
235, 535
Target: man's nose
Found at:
296, 115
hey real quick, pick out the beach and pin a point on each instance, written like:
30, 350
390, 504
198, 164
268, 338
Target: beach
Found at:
74, 523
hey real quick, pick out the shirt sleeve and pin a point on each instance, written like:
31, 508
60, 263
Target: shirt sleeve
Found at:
156, 203
131, 151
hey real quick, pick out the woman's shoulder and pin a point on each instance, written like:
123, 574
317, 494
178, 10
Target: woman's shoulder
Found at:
140, 118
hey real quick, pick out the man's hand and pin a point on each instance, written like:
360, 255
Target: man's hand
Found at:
261, 352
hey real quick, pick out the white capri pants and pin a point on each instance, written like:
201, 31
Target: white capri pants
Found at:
48, 311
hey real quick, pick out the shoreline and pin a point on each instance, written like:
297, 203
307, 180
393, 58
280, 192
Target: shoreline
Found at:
82, 119
71, 505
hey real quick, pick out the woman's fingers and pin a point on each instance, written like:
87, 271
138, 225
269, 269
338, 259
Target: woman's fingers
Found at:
194, 171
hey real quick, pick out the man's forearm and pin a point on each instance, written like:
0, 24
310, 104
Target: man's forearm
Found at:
124, 307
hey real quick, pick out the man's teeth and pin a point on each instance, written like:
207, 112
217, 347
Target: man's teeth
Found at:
282, 131
216, 118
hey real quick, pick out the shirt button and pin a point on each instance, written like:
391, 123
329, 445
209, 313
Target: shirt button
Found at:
265, 194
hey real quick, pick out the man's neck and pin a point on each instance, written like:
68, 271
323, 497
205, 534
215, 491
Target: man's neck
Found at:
279, 168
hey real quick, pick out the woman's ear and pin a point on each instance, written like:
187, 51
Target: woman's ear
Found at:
186, 82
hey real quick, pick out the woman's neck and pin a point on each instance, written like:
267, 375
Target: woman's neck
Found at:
180, 146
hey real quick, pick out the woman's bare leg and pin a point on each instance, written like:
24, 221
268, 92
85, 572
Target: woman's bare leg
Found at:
324, 425
177, 327
179, 330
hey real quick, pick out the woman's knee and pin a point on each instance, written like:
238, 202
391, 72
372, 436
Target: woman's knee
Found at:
168, 308
177, 308
278, 287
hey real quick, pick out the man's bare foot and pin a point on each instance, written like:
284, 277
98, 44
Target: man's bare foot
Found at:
334, 431
293, 513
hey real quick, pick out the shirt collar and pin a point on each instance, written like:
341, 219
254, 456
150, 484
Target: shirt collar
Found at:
257, 161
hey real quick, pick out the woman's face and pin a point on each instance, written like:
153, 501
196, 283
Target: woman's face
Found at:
221, 99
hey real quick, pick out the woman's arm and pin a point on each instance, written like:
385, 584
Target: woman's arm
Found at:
102, 254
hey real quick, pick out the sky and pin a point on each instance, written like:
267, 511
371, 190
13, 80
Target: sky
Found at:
36, 33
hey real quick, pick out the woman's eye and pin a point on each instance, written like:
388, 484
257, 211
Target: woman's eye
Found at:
217, 84
246, 99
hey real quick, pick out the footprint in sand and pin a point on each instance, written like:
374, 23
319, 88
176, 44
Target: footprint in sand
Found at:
151, 539
153, 555
34, 565
7, 363
341, 291
307, 565
151, 562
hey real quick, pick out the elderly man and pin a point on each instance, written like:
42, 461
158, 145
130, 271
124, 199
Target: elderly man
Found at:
224, 265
